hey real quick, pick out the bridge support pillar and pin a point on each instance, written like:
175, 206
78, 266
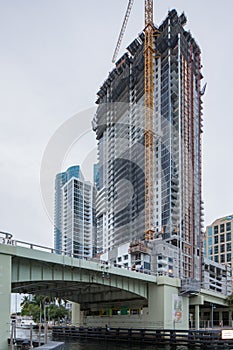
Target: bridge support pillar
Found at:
230, 318
75, 314
5, 299
166, 309
197, 317
220, 318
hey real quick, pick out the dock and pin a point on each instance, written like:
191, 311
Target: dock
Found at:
201, 339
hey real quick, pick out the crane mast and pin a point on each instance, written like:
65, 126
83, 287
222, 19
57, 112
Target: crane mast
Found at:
149, 163
149, 60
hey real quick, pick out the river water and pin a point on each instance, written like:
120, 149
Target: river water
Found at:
100, 345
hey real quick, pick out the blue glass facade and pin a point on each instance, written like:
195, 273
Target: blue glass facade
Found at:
96, 175
61, 179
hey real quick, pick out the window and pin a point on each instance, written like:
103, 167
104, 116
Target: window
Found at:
228, 236
228, 247
126, 257
216, 249
215, 230
222, 248
228, 257
209, 231
209, 240
222, 228
204, 246
146, 265
228, 226
216, 239
222, 238
216, 258
222, 258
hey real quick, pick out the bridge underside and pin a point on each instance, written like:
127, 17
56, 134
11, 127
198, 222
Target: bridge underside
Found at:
78, 281
83, 293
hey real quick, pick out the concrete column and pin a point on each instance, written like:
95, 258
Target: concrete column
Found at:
75, 314
230, 318
197, 317
164, 306
5, 299
220, 318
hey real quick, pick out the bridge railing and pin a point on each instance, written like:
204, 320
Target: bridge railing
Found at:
7, 239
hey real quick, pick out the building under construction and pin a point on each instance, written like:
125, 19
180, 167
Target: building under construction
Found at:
120, 131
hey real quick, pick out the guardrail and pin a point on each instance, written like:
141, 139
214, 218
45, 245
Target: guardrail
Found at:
7, 239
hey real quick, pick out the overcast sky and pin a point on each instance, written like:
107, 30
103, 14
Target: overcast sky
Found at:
54, 55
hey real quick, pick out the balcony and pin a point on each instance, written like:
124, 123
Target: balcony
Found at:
162, 261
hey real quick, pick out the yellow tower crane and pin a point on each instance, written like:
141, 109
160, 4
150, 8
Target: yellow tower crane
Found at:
149, 115
149, 60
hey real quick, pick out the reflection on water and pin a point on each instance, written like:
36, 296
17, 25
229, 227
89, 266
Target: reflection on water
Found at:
23, 333
99, 345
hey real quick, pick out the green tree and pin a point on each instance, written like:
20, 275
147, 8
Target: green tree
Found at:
25, 302
32, 310
229, 300
57, 312
42, 304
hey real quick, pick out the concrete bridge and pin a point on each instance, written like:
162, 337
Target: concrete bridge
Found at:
33, 269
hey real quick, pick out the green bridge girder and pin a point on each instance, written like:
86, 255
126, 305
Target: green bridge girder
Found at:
34, 271
37, 272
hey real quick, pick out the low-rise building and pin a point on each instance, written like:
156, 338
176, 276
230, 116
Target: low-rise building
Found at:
218, 240
217, 277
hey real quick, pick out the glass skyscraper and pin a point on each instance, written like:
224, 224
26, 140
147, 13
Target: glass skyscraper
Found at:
74, 231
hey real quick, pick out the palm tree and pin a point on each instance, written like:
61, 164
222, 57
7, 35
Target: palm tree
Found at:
42, 301
37, 307
25, 302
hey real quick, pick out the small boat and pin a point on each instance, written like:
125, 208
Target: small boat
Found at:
25, 322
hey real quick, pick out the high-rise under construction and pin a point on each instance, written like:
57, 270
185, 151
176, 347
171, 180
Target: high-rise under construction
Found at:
120, 131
